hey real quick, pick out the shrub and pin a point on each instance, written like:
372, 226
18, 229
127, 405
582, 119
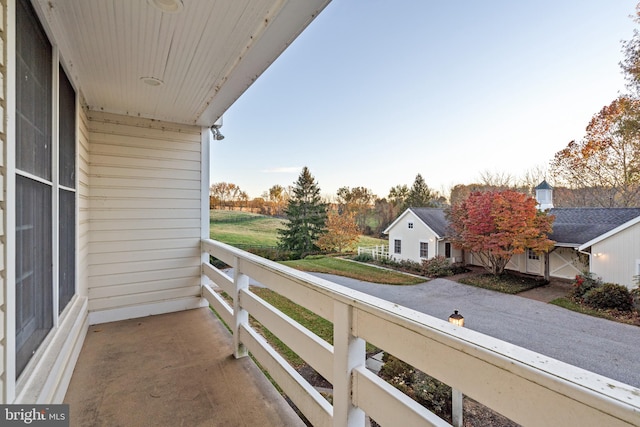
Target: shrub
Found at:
410, 266
609, 296
438, 266
363, 257
402, 265
459, 268
273, 254
635, 296
582, 284
426, 390
216, 262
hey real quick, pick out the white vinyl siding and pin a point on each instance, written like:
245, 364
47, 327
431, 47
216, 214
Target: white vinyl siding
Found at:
411, 238
3, 188
617, 255
144, 211
83, 203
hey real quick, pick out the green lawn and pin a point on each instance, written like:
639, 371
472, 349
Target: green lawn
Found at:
319, 326
240, 228
244, 228
353, 270
371, 241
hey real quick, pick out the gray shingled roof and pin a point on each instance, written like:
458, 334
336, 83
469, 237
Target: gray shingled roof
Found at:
574, 226
580, 225
544, 185
434, 218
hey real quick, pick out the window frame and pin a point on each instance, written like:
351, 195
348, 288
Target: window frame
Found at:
397, 246
532, 255
14, 382
410, 224
424, 251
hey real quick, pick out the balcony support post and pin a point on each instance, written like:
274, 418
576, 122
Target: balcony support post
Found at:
348, 353
240, 315
456, 407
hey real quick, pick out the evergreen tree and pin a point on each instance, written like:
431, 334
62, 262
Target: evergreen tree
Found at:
420, 195
307, 216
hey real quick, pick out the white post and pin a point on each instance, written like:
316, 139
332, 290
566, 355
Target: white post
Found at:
456, 407
348, 353
240, 316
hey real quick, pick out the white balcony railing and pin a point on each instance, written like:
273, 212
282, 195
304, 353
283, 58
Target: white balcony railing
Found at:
527, 387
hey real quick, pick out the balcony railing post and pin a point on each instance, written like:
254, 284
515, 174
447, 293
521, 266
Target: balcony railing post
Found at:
240, 316
456, 407
348, 353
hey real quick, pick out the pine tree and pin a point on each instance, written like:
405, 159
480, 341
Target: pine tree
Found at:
420, 195
307, 216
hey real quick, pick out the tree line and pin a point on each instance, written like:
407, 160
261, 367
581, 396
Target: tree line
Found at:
493, 224
600, 170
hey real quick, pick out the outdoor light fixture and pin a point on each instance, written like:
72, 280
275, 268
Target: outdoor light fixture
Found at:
215, 130
456, 319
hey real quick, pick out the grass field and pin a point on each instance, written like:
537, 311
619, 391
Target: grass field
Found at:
246, 228
353, 270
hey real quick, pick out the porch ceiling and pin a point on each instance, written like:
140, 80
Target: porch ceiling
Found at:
206, 55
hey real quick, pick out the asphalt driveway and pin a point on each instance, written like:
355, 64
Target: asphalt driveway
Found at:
602, 346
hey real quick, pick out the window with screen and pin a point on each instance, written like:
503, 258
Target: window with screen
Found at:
39, 189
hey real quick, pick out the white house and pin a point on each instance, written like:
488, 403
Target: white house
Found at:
604, 241
108, 109
419, 234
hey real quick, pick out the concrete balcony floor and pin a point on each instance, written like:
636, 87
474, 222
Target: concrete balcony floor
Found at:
175, 369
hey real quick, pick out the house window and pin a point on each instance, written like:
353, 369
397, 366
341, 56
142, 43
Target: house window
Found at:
67, 191
41, 188
424, 250
532, 255
410, 225
397, 246
447, 250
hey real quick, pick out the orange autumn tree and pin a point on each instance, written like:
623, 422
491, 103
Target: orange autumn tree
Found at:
342, 232
496, 225
606, 162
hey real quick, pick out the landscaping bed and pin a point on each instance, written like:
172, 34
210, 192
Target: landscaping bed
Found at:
507, 282
629, 317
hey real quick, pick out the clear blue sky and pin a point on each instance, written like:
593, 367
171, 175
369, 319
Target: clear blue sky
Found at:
375, 92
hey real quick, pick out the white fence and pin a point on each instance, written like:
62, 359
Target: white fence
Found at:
376, 252
527, 387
